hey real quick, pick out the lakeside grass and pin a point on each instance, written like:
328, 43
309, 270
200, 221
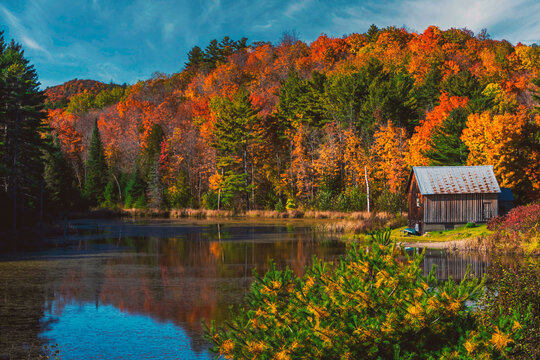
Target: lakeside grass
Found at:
457, 234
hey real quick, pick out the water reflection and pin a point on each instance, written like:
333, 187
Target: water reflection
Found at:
141, 289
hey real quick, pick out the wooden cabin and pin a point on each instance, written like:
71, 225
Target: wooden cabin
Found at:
443, 197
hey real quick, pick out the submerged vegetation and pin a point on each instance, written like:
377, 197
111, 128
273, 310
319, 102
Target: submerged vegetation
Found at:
373, 303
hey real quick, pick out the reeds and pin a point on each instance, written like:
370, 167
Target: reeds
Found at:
361, 223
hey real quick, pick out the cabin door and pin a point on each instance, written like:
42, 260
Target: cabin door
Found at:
486, 211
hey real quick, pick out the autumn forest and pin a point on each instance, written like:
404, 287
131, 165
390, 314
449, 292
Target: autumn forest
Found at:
294, 125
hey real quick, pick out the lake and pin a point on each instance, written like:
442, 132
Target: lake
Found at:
140, 289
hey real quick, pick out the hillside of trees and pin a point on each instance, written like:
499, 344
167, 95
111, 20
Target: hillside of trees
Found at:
297, 125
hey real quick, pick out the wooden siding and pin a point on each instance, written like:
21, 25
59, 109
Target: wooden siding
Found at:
459, 208
415, 213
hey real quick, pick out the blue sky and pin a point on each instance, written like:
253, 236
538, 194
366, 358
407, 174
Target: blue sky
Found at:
125, 41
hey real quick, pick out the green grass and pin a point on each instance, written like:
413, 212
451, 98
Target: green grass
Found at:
458, 233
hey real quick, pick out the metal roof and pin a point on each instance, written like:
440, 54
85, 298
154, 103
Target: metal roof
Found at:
455, 179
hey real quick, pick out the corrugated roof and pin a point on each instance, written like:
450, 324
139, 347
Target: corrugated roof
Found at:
456, 179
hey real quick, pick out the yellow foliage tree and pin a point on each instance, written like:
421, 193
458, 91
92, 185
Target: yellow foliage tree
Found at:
500, 140
389, 151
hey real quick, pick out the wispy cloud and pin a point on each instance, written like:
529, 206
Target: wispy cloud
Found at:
24, 34
509, 19
127, 40
296, 6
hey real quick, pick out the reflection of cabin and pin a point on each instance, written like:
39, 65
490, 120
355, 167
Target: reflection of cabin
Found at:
506, 201
442, 197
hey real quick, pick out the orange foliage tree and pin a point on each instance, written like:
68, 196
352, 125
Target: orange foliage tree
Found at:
419, 143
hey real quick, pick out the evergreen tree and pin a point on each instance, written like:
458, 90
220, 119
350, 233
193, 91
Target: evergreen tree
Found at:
151, 153
96, 170
345, 94
155, 185
212, 54
447, 149
195, 57
241, 44
135, 192
429, 92
390, 97
234, 134
536, 93
465, 84
302, 101
226, 47
60, 183
21, 116
373, 33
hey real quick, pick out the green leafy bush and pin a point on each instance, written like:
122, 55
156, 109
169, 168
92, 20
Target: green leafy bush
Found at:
372, 304
279, 206
514, 288
357, 199
210, 200
324, 201
390, 202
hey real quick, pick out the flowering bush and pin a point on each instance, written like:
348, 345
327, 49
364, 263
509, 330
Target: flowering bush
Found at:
374, 303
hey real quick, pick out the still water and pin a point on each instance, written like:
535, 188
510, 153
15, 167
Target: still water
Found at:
139, 290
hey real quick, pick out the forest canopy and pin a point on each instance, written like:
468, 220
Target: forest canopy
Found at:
260, 125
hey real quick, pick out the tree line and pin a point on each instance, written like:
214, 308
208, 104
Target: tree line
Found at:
293, 125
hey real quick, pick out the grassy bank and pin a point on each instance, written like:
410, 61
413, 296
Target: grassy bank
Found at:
459, 233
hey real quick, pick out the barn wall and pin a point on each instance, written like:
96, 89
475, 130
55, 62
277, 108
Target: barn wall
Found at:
416, 214
458, 208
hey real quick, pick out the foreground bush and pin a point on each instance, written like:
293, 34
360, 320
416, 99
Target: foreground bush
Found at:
519, 230
515, 287
372, 304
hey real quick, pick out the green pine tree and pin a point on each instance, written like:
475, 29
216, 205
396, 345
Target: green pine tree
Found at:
195, 57
135, 190
234, 134
60, 183
302, 101
447, 149
96, 170
536, 93
21, 146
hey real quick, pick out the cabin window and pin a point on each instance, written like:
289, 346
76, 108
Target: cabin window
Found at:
417, 202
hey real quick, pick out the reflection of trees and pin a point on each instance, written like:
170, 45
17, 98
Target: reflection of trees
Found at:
22, 296
186, 279
182, 277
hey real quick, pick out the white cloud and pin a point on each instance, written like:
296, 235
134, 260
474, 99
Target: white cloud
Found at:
296, 7
514, 20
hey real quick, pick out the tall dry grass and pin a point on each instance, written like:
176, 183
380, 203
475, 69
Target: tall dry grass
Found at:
363, 223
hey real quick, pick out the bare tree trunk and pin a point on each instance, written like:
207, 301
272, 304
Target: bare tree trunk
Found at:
367, 187
118, 186
246, 181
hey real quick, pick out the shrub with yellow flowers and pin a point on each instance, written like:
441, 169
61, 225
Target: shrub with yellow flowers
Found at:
374, 303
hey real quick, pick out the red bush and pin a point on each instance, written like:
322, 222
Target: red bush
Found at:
519, 219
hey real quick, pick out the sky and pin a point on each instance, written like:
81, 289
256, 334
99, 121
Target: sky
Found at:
126, 41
